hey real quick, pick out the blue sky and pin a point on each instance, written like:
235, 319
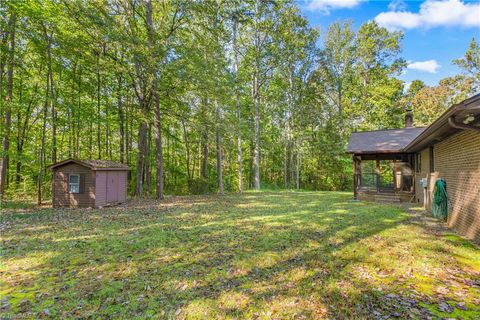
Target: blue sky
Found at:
436, 31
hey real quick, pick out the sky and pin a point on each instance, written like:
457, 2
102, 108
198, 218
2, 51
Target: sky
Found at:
435, 31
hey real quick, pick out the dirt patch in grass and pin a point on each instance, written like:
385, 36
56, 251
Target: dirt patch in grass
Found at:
258, 255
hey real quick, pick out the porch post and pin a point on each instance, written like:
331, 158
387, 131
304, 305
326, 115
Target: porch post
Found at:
355, 177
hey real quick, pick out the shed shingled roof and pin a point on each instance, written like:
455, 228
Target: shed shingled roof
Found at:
382, 141
94, 164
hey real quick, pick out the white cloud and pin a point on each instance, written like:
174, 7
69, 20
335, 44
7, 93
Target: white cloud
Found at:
433, 13
400, 19
430, 66
397, 5
325, 6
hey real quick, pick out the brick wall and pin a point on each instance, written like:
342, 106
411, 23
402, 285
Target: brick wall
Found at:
457, 160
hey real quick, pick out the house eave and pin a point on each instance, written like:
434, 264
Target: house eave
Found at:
359, 152
110, 169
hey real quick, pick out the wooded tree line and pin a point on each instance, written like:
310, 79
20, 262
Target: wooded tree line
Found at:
199, 96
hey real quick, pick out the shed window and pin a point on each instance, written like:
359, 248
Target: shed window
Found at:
74, 183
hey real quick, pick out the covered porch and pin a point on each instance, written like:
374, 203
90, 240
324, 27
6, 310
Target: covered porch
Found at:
384, 177
382, 170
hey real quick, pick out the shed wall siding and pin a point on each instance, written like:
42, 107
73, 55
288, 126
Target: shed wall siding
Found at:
101, 188
457, 160
112, 186
122, 186
61, 196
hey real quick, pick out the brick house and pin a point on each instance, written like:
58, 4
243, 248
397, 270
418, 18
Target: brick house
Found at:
395, 165
88, 183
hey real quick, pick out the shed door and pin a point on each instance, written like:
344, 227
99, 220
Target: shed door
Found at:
112, 186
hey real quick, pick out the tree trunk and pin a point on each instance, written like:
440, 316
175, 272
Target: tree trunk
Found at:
158, 146
142, 151
77, 153
292, 159
219, 147
128, 135
121, 119
71, 115
8, 106
204, 143
204, 171
22, 132
156, 101
297, 180
168, 158
187, 153
4, 38
99, 142
256, 149
90, 140
42, 144
285, 166
108, 151
237, 101
142, 134
48, 40
148, 167
256, 98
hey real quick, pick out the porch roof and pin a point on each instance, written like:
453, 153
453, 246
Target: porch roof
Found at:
382, 141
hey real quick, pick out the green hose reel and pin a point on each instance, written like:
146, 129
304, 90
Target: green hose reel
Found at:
440, 200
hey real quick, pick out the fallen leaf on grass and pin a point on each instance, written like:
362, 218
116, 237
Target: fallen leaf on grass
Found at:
461, 306
445, 307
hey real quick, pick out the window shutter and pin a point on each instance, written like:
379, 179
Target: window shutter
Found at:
82, 182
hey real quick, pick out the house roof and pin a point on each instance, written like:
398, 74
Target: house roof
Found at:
93, 164
382, 141
416, 139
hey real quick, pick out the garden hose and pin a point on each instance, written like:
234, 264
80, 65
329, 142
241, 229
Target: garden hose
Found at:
440, 200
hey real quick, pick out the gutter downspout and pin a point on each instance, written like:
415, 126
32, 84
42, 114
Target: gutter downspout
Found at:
454, 124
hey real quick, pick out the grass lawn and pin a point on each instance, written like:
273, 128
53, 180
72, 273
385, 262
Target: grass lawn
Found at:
279, 255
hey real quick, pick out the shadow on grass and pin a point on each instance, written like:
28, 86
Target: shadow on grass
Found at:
207, 256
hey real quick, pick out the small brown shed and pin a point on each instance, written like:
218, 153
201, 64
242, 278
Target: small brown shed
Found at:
88, 183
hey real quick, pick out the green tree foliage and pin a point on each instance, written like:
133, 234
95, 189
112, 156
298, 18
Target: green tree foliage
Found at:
470, 63
430, 102
356, 89
198, 96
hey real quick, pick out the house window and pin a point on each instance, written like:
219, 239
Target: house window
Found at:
74, 183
